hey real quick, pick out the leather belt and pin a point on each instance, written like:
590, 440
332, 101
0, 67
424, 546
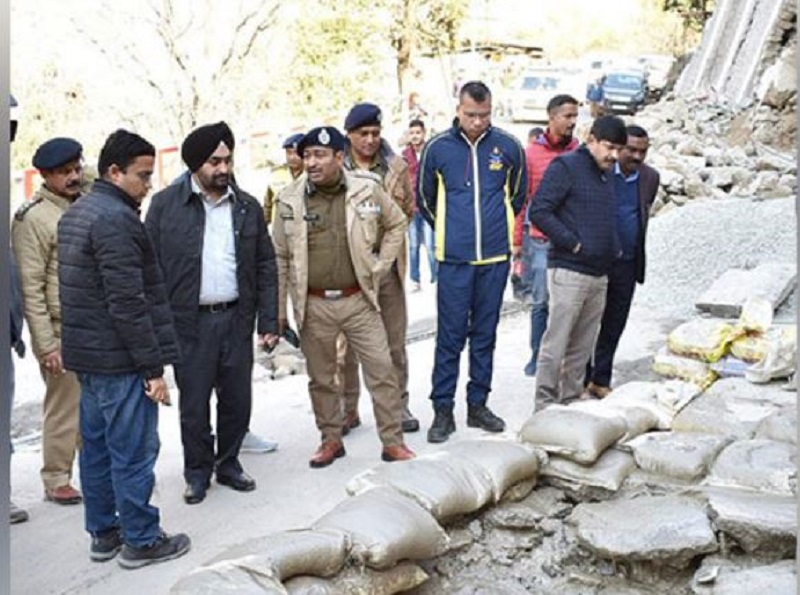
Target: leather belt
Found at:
334, 294
220, 307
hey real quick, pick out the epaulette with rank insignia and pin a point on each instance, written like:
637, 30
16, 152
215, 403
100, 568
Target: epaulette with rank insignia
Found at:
367, 175
23, 210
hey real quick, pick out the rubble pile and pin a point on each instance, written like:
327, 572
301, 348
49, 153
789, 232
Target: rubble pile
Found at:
706, 151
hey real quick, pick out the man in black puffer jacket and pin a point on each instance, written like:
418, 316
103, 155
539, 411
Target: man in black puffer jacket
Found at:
575, 207
118, 335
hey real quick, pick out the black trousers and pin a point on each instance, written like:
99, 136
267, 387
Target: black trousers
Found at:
220, 358
619, 297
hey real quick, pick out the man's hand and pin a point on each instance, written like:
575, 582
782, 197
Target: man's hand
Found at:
52, 362
268, 340
516, 251
156, 389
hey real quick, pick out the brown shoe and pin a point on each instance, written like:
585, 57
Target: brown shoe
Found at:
400, 452
351, 422
65, 494
326, 454
597, 390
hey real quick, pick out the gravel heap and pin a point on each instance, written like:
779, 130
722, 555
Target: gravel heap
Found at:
689, 247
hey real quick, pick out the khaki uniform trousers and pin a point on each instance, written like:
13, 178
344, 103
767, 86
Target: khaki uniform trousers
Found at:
392, 300
60, 427
576, 308
361, 326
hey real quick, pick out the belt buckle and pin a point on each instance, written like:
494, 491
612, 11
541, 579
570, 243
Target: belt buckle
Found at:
333, 294
215, 308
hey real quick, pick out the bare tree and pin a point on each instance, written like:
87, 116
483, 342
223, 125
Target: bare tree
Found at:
187, 54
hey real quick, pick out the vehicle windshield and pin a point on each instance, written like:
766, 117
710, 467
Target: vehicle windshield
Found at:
539, 83
625, 81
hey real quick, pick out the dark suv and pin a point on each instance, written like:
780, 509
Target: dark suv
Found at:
624, 92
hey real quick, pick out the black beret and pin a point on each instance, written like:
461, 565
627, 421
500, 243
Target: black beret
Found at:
362, 114
291, 142
56, 152
322, 136
202, 142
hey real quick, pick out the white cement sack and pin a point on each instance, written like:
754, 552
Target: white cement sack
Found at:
683, 455
361, 581
608, 472
507, 463
240, 576
706, 339
780, 358
756, 314
442, 483
574, 434
638, 420
780, 425
386, 527
762, 465
293, 552
663, 400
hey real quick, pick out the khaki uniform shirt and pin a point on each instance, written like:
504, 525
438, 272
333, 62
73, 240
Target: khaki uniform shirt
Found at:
329, 263
34, 240
376, 230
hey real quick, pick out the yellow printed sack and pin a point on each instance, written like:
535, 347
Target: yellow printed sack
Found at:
706, 339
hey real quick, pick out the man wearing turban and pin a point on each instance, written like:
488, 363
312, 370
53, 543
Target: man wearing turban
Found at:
219, 265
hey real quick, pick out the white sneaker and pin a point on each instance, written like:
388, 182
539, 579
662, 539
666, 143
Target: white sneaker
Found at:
253, 443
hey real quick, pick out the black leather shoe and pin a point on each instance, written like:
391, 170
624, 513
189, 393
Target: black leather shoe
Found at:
443, 425
409, 422
195, 492
480, 416
241, 482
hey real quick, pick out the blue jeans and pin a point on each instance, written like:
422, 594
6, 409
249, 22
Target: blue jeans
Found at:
534, 251
418, 232
119, 427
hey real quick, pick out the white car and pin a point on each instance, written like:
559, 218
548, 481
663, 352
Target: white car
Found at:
531, 94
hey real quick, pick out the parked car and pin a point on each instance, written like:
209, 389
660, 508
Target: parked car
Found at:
624, 92
531, 94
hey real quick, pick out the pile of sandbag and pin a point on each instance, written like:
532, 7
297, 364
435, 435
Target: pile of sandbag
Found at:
369, 542
704, 349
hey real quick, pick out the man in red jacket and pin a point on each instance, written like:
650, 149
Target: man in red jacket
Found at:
419, 232
530, 243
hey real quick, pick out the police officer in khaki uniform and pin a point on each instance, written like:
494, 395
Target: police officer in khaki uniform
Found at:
336, 236
281, 176
366, 151
35, 248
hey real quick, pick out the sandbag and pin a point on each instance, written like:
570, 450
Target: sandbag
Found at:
662, 400
608, 472
293, 552
753, 347
638, 420
243, 576
386, 527
442, 483
761, 465
571, 433
670, 365
756, 314
506, 462
706, 339
780, 425
780, 357
683, 455
360, 581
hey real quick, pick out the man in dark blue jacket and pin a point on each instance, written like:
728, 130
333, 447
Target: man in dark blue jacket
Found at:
575, 207
219, 264
472, 182
117, 335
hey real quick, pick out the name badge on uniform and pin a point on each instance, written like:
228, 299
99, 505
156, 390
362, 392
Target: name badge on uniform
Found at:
368, 208
495, 160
